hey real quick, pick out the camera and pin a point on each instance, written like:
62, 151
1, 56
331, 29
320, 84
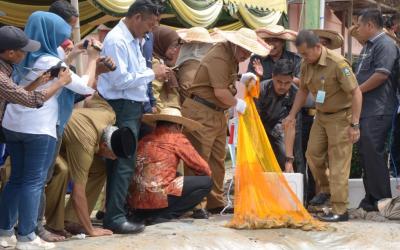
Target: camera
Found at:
108, 65
55, 70
97, 46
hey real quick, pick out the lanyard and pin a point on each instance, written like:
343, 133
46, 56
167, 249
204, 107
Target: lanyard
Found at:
322, 83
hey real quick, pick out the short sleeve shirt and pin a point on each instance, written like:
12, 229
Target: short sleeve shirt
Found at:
332, 74
268, 64
217, 70
379, 55
87, 125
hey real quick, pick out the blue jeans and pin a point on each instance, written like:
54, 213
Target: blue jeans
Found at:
31, 156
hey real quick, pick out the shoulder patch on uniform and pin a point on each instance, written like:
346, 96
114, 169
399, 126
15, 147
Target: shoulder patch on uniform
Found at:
345, 68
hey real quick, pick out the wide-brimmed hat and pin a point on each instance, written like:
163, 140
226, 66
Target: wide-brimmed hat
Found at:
120, 140
246, 39
336, 39
173, 115
197, 34
353, 31
276, 31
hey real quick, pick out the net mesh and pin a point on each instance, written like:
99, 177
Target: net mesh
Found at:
263, 198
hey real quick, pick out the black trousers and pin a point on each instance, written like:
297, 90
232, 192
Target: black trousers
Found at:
195, 188
309, 183
374, 135
396, 144
276, 138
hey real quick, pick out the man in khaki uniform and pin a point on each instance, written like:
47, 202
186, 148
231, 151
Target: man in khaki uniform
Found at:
210, 95
328, 76
88, 138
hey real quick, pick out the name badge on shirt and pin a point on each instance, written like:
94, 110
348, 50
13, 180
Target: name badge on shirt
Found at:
320, 97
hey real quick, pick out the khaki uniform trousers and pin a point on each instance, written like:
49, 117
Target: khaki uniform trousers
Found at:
329, 139
55, 195
94, 185
210, 143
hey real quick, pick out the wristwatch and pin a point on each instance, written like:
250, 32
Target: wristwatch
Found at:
289, 159
355, 125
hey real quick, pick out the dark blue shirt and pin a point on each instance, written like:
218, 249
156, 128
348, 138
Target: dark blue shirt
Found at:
379, 54
147, 51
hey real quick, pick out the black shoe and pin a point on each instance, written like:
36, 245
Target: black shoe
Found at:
127, 228
331, 217
218, 210
200, 214
367, 206
320, 199
100, 215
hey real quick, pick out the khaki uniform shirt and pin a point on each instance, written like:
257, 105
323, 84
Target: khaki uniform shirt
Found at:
338, 77
217, 70
87, 124
83, 134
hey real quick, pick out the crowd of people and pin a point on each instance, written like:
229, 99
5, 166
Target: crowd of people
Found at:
147, 119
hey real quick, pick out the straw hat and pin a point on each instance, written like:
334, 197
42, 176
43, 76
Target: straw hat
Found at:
196, 34
247, 39
354, 33
335, 38
276, 31
173, 115
392, 35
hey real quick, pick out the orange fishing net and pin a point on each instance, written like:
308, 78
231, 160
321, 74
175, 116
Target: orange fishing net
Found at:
263, 198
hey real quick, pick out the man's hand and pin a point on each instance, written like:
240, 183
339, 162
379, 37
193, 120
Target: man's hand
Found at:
101, 65
161, 72
240, 106
44, 78
289, 167
77, 50
354, 134
246, 77
99, 232
289, 122
154, 110
258, 68
92, 51
65, 77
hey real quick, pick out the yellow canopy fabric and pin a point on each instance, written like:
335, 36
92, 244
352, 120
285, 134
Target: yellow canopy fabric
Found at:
202, 18
255, 22
277, 5
188, 13
18, 14
113, 7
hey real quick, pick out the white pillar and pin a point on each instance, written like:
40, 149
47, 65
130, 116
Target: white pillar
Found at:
322, 14
76, 35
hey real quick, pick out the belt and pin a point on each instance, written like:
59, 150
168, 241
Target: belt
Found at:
331, 113
309, 111
206, 103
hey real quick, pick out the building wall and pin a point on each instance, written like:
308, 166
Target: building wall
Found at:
332, 22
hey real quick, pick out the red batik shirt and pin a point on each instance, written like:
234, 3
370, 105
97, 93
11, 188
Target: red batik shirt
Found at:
155, 177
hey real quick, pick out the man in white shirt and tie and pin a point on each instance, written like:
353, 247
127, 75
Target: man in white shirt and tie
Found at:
125, 90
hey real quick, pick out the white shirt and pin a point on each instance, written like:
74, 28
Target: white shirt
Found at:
129, 80
42, 120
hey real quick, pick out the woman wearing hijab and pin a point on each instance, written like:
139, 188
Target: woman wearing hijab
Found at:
31, 133
165, 50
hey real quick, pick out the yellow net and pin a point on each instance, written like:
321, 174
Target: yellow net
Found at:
263, 198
